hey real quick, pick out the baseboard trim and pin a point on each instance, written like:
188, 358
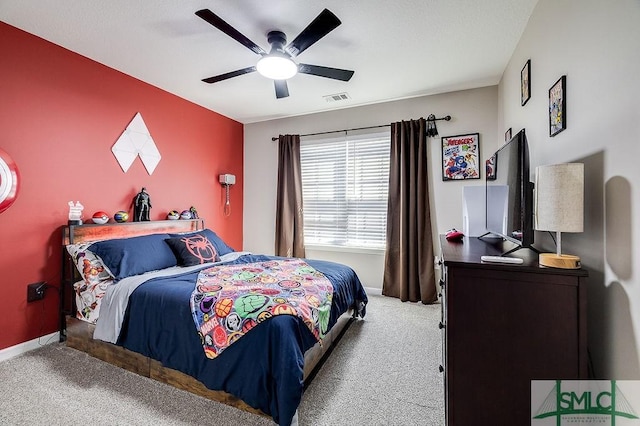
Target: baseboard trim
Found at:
13, 351
373, 291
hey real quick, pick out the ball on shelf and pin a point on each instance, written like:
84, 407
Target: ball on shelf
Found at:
173, 215
186, 214
121, 216
100, 218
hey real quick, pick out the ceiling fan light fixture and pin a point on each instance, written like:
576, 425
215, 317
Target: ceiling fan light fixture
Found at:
277, 67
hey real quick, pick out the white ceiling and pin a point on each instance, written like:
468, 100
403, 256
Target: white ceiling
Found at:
398, 49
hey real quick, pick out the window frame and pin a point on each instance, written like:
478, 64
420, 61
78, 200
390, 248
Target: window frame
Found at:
364, 170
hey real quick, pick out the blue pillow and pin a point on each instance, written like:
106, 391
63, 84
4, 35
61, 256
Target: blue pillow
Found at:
193, 249
125, 257
221, 247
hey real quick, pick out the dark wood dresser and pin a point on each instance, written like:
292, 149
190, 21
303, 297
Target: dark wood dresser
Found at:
505, 325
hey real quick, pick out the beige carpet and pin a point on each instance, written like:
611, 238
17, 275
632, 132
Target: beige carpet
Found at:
383, 372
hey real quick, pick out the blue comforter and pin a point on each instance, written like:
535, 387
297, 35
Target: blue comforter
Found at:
264, 368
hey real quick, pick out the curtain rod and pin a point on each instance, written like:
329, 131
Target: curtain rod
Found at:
431, 118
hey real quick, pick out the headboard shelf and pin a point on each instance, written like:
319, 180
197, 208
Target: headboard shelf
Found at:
74, 234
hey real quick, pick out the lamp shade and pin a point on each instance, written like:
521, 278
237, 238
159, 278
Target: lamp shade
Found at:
559, 207
559, 201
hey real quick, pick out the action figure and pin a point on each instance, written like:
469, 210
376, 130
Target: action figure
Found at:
194, 213
141, 206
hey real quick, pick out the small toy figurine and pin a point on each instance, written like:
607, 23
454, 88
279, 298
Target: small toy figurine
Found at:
75, 213
141, 206
194, 213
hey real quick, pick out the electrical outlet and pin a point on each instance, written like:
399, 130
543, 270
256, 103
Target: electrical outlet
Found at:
35, 291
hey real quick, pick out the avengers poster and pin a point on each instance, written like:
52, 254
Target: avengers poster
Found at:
460, 156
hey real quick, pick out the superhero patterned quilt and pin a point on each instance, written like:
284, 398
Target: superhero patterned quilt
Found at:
264, 368
230, 300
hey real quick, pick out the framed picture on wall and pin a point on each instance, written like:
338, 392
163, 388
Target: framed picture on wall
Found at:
558, 106
525, 83
490, 166
460, 157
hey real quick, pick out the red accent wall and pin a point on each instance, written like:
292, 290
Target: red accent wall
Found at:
60, 114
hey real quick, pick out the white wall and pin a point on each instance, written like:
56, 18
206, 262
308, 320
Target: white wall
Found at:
596, 44
471, 111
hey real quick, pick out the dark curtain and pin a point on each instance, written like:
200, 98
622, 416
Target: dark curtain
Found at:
409, 270
289, 225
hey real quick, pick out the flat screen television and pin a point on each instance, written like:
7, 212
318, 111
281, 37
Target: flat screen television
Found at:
509, 193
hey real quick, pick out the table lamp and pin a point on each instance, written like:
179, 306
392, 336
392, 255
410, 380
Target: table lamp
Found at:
559, 207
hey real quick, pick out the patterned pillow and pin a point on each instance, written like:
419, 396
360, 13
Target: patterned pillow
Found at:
89, 265
193, 249
221, 247
88, 299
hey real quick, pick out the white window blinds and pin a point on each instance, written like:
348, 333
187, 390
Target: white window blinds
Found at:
344, 189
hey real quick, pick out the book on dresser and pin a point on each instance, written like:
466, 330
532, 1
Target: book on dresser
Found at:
504, 325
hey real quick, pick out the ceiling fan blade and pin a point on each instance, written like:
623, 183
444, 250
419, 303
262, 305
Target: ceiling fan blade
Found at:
220, 24
324, 23
334, 73
282, 90
229, 75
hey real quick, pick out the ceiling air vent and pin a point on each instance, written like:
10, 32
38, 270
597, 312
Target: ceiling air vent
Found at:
338, 97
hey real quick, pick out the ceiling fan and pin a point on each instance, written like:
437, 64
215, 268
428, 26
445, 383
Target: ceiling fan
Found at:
278, 64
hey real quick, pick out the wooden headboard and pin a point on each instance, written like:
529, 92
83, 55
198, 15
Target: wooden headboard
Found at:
75, 234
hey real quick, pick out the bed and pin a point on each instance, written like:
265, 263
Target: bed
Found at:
147, 297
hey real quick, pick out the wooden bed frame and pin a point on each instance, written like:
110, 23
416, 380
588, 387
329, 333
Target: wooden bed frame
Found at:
78, 334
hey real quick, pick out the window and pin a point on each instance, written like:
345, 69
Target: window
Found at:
344, 190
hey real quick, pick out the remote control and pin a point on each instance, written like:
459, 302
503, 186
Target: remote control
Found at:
501, 259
